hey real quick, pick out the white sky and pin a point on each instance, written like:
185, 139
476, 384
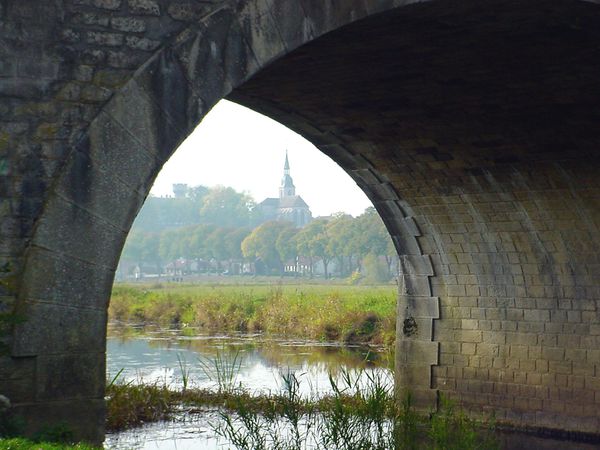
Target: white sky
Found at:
235, 146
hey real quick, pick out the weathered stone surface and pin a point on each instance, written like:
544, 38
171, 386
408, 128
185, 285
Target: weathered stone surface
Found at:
188, 11
107, 4
79, 285
85, 417
128, 24
55, 329
260, 30
149, 7
17, 378
70, 376
419, 307
103, 251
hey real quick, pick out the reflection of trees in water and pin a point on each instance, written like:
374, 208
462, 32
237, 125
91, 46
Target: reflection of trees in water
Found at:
273, 352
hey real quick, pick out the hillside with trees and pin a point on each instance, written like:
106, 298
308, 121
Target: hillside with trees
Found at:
217, 230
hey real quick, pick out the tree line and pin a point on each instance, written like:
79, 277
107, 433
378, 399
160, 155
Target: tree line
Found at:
227, 234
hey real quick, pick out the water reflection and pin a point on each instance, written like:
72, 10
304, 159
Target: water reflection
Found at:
160, 356
188, 432
156, 356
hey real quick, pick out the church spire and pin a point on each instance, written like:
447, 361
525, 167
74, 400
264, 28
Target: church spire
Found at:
286, 166
287, 188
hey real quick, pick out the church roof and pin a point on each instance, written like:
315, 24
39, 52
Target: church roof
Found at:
271, 201
294, 201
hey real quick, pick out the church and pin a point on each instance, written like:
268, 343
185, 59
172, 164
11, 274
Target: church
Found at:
288, 206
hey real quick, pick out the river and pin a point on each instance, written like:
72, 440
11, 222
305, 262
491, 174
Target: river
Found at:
170, 356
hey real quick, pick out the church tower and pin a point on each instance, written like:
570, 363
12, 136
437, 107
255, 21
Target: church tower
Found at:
287, 188
289, 206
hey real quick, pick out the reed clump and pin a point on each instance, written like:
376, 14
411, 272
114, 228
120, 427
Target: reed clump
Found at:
130, 405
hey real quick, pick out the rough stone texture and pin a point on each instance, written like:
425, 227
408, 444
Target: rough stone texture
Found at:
471, 125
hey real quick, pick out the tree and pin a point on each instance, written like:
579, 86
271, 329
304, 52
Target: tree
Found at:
261, 244
234, 241
313, 242
339, 231
287, 247
225, 207
198, 243
218, 248
375, 237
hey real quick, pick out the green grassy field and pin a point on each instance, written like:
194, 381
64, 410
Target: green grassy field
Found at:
362, 314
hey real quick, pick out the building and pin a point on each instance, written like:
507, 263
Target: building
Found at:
288, 206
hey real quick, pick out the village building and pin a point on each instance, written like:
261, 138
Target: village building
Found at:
289, 206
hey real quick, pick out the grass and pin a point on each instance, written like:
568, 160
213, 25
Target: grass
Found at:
351, 314
25, 444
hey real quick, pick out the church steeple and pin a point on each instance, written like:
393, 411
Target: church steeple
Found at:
287, 188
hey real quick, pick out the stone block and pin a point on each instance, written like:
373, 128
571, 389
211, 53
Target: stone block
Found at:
413, 377
260, 30
99, 191
416, 353
114, 150
54, 278
150, 126
104, 38
416, 265
128, 24
218, 58
17, 378
294, 27
140, 43
85, 416
188, 11
144, 7
71, 376
107, 4
56, 329
418, 307
75, 226
127, 58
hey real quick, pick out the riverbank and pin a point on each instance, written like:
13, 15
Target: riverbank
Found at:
323, 312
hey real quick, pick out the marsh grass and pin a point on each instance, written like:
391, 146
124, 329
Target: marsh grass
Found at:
352, 314
130, 405
222, 370
184, 371
360, 413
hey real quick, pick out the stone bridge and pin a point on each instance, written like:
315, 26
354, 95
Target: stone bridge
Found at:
472, 125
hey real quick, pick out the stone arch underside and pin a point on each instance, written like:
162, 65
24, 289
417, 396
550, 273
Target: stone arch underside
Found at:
471, 126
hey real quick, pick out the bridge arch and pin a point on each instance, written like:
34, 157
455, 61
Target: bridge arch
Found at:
464, 124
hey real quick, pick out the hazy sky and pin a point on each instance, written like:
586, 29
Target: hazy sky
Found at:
235, 146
